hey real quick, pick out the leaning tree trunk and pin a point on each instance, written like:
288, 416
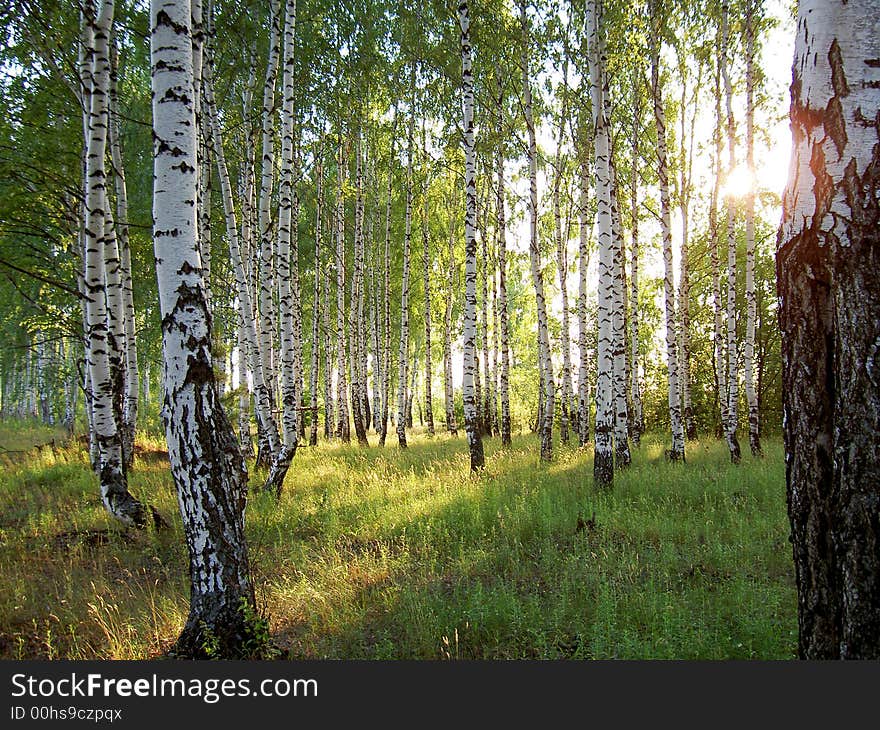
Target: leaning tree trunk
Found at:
751, 304
829, 313
603, 461
117, 500
206, 463
289, 312
676, 453
732, 369
471, 425
548, 389
247, 318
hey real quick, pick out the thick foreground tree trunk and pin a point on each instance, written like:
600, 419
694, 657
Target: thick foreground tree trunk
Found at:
829, 293
206, 463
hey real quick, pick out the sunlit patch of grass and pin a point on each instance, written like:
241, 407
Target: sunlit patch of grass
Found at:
390, 553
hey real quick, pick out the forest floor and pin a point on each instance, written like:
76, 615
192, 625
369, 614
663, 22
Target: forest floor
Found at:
377, 553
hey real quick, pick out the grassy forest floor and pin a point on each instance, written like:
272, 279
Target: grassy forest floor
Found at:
389, 554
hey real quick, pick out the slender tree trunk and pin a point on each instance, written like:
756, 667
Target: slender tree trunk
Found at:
289, 311
426, 271
718, 337
547, 386
732, 369
751, 304
622, 456
247, 320
562, 263
501, 232
583, 326
471, 426
267, 324
829, 314
130, 363
356, 328
676, 453
684, 287
329, 408
402, 358
206, 463
316, 301
342, 423
386, 295
449, 396
603, 462
637, 424
117, 500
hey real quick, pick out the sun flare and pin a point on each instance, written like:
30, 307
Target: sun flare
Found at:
739, 183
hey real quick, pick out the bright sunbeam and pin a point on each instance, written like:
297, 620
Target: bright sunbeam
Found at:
739, 183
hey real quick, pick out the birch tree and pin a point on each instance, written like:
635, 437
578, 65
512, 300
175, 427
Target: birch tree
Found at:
603, 460
426, 273
732, 369
115, 497
209, 472
829, 313
752, 16
403, 350
504, 317
289, 316
548, 389
471, 425
676, 453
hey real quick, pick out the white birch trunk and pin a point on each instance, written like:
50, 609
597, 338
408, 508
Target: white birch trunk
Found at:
583, 389
471, 425
289, 312
129, 341
316, 299
548, 390
343, 428
732, 351
266, 331
676, 453
403, 350
501, 232
603, 463
637, 424
206, 463
751, 18
247, 319
115, 496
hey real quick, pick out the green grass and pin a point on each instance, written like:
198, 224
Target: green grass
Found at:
388, 554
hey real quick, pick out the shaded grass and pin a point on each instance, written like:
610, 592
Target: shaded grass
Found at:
402, 554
